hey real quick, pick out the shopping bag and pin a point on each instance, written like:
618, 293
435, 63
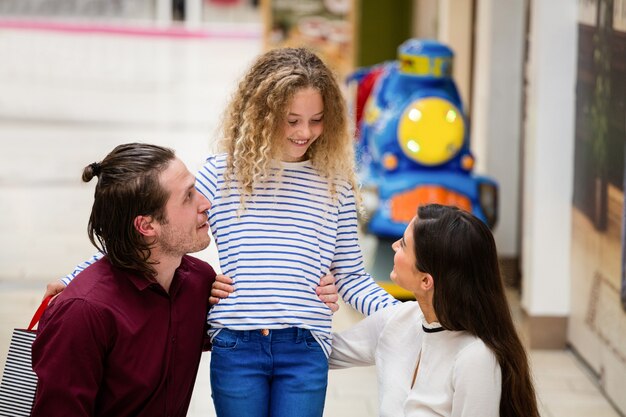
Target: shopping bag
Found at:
19, 382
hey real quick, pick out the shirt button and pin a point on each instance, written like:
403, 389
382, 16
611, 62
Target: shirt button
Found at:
265, 332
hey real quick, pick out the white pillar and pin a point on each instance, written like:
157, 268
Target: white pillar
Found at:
548, 159
496, 109
455, 29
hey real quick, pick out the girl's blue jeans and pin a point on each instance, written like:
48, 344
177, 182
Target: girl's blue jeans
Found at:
268, 373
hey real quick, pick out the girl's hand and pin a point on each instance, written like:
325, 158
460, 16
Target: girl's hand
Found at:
222, 286
327, 292
54, 288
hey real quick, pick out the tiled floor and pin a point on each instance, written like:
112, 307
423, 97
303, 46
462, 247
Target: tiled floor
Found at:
66, 100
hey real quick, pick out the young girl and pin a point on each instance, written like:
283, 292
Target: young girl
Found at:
283, 213
455, 351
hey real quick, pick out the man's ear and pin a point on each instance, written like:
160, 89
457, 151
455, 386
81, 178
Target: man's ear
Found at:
144, 225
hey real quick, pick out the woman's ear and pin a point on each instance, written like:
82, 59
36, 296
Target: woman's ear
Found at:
143, 224
427, 282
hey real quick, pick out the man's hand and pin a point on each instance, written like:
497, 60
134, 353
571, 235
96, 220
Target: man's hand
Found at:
327, 292
222, 286
54, 288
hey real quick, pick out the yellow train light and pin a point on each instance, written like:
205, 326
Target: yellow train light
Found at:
431, 131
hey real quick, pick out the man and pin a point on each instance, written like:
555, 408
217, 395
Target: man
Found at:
125, 338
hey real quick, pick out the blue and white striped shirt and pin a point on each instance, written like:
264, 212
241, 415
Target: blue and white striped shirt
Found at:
291, 233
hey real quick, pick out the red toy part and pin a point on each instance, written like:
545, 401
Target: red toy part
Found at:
364, 90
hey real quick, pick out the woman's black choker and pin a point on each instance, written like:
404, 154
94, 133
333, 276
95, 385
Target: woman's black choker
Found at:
435, 330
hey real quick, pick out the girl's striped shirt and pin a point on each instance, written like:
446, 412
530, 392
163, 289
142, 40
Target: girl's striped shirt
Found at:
290, 234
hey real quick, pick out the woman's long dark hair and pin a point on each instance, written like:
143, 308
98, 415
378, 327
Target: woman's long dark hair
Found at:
459, 251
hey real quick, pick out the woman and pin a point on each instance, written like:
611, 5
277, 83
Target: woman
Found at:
455, 351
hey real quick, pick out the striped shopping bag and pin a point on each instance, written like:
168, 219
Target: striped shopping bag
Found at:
19, 382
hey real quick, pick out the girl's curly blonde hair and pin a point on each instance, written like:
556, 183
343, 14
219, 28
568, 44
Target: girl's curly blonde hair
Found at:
255, 120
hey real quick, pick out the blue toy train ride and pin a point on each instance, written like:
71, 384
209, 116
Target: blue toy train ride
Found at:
413, 142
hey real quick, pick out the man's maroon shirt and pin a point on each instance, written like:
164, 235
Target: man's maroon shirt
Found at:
116, 344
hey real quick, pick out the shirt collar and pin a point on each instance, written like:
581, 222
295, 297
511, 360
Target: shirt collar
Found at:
142, 282
433, 327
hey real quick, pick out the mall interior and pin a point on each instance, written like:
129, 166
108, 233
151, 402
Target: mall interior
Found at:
543, 91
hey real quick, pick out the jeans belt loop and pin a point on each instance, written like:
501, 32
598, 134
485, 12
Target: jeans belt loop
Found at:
245, 335
300, 335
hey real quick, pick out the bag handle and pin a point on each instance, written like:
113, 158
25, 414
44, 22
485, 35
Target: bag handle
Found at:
39, 312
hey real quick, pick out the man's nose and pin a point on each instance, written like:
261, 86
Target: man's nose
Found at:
204, 205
